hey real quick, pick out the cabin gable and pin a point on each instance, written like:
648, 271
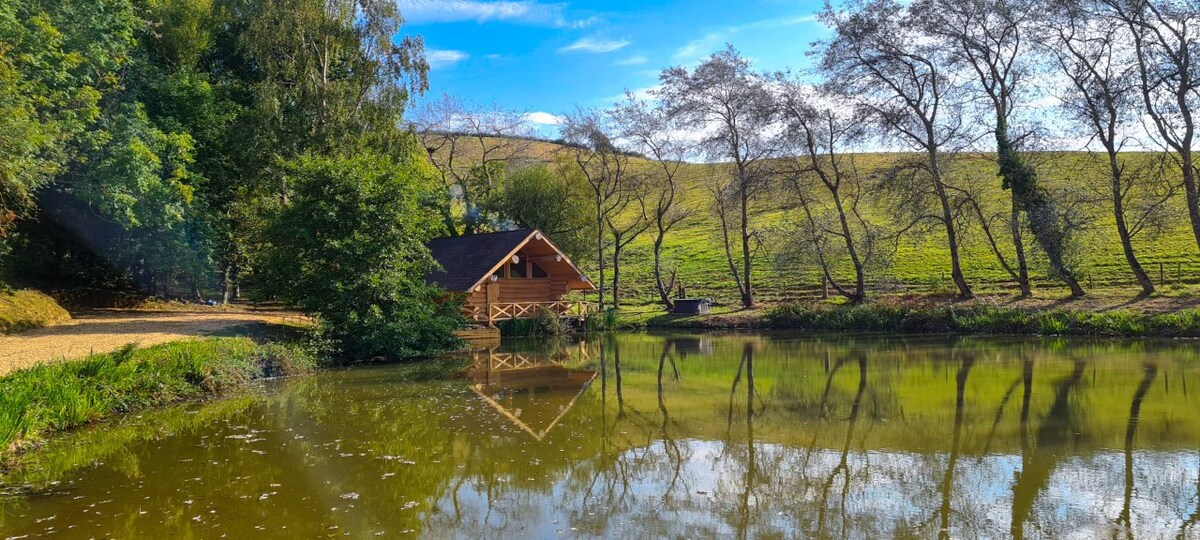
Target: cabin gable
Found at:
505, 269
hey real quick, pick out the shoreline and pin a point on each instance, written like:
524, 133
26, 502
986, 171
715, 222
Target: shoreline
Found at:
937, 319
39, 401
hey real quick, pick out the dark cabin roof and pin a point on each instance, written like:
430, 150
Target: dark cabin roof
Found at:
467, 259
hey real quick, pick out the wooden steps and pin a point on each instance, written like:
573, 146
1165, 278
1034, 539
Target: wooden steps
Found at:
480, 337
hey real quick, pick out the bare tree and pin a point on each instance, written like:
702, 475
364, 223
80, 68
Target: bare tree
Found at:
987, 39
1103, 97
626, 224
731, 107
821, 135
655, 134
590, 136
1166, 54
899, 81
470, 146
992, 222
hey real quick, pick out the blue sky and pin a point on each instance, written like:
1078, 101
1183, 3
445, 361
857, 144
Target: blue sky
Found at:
546, 57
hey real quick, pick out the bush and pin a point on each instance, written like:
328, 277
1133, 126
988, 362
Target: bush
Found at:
349, 247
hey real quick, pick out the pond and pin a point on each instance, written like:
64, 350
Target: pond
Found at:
646, 435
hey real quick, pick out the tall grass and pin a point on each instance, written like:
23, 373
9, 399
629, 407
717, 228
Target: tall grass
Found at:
984, 320
58, 396
25, 309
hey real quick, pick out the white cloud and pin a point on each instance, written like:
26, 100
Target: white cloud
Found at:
711, 41
645, 93
528, 12
634, 60
444, 58
543, 118
594, 45
698, 47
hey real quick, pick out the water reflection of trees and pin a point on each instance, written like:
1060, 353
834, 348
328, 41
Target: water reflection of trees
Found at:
746, 436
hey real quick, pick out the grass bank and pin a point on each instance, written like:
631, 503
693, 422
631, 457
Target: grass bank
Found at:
24, 309
983, 320
53, 397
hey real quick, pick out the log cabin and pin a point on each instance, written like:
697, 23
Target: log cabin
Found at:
508, 275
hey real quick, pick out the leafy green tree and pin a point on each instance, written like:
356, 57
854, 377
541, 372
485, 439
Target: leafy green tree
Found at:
333, 72
552, 200
349, 247
58, 60
141, 181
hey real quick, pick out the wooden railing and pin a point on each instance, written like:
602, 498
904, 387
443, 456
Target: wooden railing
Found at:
527, 310
491, 360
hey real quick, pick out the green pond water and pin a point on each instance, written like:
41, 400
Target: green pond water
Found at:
648, 436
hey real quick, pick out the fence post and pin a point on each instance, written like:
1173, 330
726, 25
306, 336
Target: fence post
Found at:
824, 287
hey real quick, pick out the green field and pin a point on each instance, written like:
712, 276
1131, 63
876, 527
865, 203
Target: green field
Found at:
920, 262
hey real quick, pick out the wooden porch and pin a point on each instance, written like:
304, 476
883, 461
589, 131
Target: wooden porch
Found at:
503, 311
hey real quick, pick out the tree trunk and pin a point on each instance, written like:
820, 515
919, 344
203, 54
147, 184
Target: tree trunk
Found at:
1043, 221
228, 282
960, 281
664, 289
616, 273
1019, 246
860, 286
722, 213
600, 248
1190, 189
1123, 228
747, 290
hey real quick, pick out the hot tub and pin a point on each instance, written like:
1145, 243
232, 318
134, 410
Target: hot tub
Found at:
692, 306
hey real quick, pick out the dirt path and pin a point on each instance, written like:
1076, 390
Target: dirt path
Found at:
110, 330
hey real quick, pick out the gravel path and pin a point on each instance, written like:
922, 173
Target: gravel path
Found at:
110, 330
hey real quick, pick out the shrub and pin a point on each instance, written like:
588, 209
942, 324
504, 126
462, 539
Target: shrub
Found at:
549, 323
545, 324
349, 247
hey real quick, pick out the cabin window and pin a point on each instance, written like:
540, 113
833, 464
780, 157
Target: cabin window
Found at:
517, 270
537, 271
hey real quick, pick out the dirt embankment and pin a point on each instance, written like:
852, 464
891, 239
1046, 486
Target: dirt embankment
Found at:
105, 331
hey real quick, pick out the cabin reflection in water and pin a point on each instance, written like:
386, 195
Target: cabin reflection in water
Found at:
533, 390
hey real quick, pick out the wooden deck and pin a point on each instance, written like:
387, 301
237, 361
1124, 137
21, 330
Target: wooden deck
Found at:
527, 310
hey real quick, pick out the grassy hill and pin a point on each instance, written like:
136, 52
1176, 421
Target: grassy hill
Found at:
920, 262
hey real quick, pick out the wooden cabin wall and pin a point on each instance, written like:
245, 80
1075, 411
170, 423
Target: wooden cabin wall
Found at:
522, 290
530, 290
477, 298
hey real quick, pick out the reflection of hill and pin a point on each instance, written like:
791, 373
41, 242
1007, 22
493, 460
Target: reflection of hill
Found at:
808, 385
